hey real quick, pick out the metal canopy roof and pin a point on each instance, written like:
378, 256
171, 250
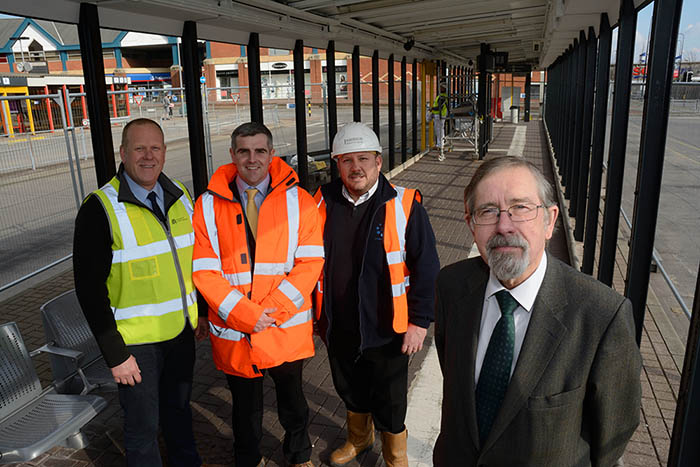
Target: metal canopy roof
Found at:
533, 32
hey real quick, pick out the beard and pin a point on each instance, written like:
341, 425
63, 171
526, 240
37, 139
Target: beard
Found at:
507, 265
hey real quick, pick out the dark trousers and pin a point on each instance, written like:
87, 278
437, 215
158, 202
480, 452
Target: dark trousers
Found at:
376, 382
162, 395
292, 410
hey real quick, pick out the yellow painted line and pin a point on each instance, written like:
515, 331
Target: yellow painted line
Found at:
685, 156
22, 140
683, 143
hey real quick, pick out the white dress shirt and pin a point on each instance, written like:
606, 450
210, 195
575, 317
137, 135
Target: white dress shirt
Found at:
362, 198
262, 188
525, 294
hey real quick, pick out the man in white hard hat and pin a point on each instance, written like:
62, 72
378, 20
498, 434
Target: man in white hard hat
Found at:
376, 295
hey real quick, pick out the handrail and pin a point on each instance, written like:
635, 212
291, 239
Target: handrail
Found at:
665, 275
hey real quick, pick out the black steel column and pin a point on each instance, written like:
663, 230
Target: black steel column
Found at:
254, 83
414, 108
618, 139
585, 154
575, 155
569, 109
96, 92
375, 94
652, 148
356, 95
191, 71
300, 114
332, 102
404, 126
599, 121
482, 100
686, 424
392, 115
528, 85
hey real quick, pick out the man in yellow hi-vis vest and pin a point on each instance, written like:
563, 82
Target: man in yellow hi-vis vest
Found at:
132, 260
439, 114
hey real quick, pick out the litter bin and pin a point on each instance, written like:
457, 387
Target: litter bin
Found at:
514, 114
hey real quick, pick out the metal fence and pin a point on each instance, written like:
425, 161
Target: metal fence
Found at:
47, 166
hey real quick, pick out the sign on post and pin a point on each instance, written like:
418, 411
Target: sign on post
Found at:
138, 99
235, 96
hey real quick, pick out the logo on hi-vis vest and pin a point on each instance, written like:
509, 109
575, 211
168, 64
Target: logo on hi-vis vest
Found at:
179, 219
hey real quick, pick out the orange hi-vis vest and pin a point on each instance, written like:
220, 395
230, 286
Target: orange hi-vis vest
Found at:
395, 223
288, 261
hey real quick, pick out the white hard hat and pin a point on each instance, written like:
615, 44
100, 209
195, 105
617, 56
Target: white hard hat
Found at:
355, 137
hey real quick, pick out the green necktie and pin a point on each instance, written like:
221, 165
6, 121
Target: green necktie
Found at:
495, 371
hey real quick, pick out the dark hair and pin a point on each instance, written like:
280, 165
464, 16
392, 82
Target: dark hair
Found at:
139, 122
544, 188
251, 129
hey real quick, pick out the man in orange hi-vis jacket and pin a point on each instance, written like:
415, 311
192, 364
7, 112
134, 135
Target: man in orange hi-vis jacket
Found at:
257, 256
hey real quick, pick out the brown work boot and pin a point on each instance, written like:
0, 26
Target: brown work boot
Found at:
360, 438
394, 449
303, 464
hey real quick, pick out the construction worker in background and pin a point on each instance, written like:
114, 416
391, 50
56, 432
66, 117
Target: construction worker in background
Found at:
257, 256
132, 262
439, 114
376, 293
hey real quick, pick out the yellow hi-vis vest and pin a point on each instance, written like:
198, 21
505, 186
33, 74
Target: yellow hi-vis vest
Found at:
150, 284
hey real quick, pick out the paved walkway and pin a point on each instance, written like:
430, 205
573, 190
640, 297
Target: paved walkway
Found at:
442, 185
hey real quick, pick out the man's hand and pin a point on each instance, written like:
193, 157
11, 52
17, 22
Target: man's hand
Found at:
202, 328
127, 372
413, 339
265, 320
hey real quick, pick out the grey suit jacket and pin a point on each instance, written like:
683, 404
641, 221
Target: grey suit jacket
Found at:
575, 394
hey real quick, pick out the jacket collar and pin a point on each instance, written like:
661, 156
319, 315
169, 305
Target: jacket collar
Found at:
171, 192
282, 176
333, 191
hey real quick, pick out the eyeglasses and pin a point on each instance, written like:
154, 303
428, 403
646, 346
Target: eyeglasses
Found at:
517, 213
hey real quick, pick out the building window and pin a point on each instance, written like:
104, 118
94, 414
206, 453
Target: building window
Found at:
278, 51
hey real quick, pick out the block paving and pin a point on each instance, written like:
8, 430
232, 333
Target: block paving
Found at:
442, 185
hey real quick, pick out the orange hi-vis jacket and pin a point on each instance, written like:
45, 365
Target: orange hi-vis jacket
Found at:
395, 223
288, 261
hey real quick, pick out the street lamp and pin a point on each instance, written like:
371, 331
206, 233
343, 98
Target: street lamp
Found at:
680, 62
21, 48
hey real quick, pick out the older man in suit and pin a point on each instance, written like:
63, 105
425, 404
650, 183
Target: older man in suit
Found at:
540, 363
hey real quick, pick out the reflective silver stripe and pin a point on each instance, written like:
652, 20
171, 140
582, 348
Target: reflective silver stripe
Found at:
210, 222
152, 249
292, 293
398, 289
206, 264
229, 303
185, 200
225, 333
153, 309
400, 219
309, 251
127, 231
269, 269
394, 257
292, 226
239, 278
299, 318
407, 281
320, 202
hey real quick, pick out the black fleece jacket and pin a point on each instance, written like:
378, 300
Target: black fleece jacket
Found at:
92, 261
372, 303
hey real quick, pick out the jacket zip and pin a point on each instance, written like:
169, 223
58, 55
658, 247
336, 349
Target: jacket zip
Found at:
178, 269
